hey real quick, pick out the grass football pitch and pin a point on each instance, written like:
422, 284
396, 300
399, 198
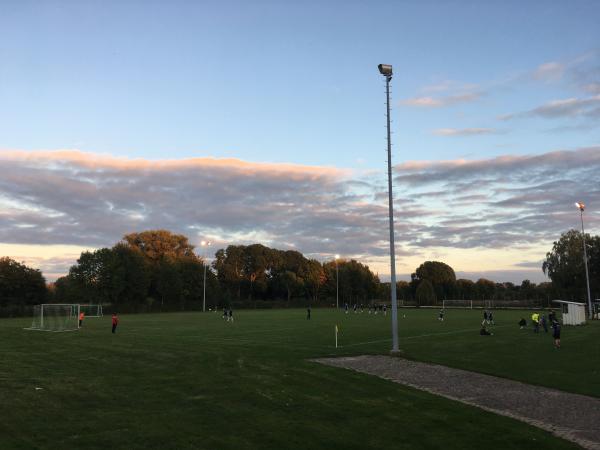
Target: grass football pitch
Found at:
193, 381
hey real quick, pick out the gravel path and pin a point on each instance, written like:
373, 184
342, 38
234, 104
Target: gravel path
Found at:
571, 416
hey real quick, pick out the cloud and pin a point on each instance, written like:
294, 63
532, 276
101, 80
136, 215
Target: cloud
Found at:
72, 197
550, 71
583, 72
513, 276
450, 85
516, 203
439, 102
565, 108
463, 131
503, 202
592, 88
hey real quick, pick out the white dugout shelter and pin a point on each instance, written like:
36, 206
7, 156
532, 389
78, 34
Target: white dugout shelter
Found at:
573, 313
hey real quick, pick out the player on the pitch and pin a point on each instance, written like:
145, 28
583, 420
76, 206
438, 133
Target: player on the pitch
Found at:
556, 333
441, 315
115, 322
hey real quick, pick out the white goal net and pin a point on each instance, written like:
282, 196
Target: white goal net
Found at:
458, 304
55, 317
91, 310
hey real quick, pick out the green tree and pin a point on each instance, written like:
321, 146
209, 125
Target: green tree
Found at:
259, 263
465, 289
229, 264
291, 282
485, 289
314, 278
441, 276
91, 276
129, 276
425, 294
191, 273
20, 285
168, 283
564, 265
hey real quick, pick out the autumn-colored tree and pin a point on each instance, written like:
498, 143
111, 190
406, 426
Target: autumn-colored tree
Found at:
158, 244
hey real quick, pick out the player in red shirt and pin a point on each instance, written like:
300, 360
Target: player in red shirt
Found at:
81, 317
115, 322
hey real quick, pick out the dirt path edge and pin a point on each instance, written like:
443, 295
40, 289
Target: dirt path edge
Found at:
579, 421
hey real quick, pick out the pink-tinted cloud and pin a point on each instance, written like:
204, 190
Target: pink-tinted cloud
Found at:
438, 102
588, 107
463, 131
93, 200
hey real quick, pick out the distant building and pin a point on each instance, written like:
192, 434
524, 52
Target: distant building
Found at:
573, 313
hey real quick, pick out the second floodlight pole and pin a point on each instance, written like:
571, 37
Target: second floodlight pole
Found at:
386, 71
581, 206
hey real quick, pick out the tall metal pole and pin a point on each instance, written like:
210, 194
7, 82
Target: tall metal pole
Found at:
395, 348
587, 276
204, 244
204, 289
337, 285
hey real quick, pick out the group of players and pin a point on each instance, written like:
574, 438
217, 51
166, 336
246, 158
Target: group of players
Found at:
228, 314
539, 320
373, 308
114, 321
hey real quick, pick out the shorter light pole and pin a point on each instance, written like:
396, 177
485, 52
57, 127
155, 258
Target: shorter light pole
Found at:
337, 283
205, 244
581, 207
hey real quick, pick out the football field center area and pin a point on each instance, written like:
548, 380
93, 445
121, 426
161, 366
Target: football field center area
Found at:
195, 381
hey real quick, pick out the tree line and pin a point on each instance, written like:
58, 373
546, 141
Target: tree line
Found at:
158, 270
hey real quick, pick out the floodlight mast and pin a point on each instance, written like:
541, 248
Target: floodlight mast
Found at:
386, 71
204, 244
337, 283
581, 207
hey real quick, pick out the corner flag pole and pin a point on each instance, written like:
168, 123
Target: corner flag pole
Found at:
336, 333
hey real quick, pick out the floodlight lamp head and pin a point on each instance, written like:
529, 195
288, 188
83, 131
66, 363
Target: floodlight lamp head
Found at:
385, 70
580, 205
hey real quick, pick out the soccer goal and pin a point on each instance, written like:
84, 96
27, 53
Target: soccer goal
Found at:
457, 304
91, 310
55, 317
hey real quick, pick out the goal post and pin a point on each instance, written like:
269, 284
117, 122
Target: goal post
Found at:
55, 317
91, 310
464, 304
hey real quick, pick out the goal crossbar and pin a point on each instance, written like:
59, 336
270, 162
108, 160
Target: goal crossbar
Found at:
56, 317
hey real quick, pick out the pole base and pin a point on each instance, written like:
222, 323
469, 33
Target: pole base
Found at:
397, 353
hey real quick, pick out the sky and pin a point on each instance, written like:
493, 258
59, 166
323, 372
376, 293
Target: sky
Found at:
264, 121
